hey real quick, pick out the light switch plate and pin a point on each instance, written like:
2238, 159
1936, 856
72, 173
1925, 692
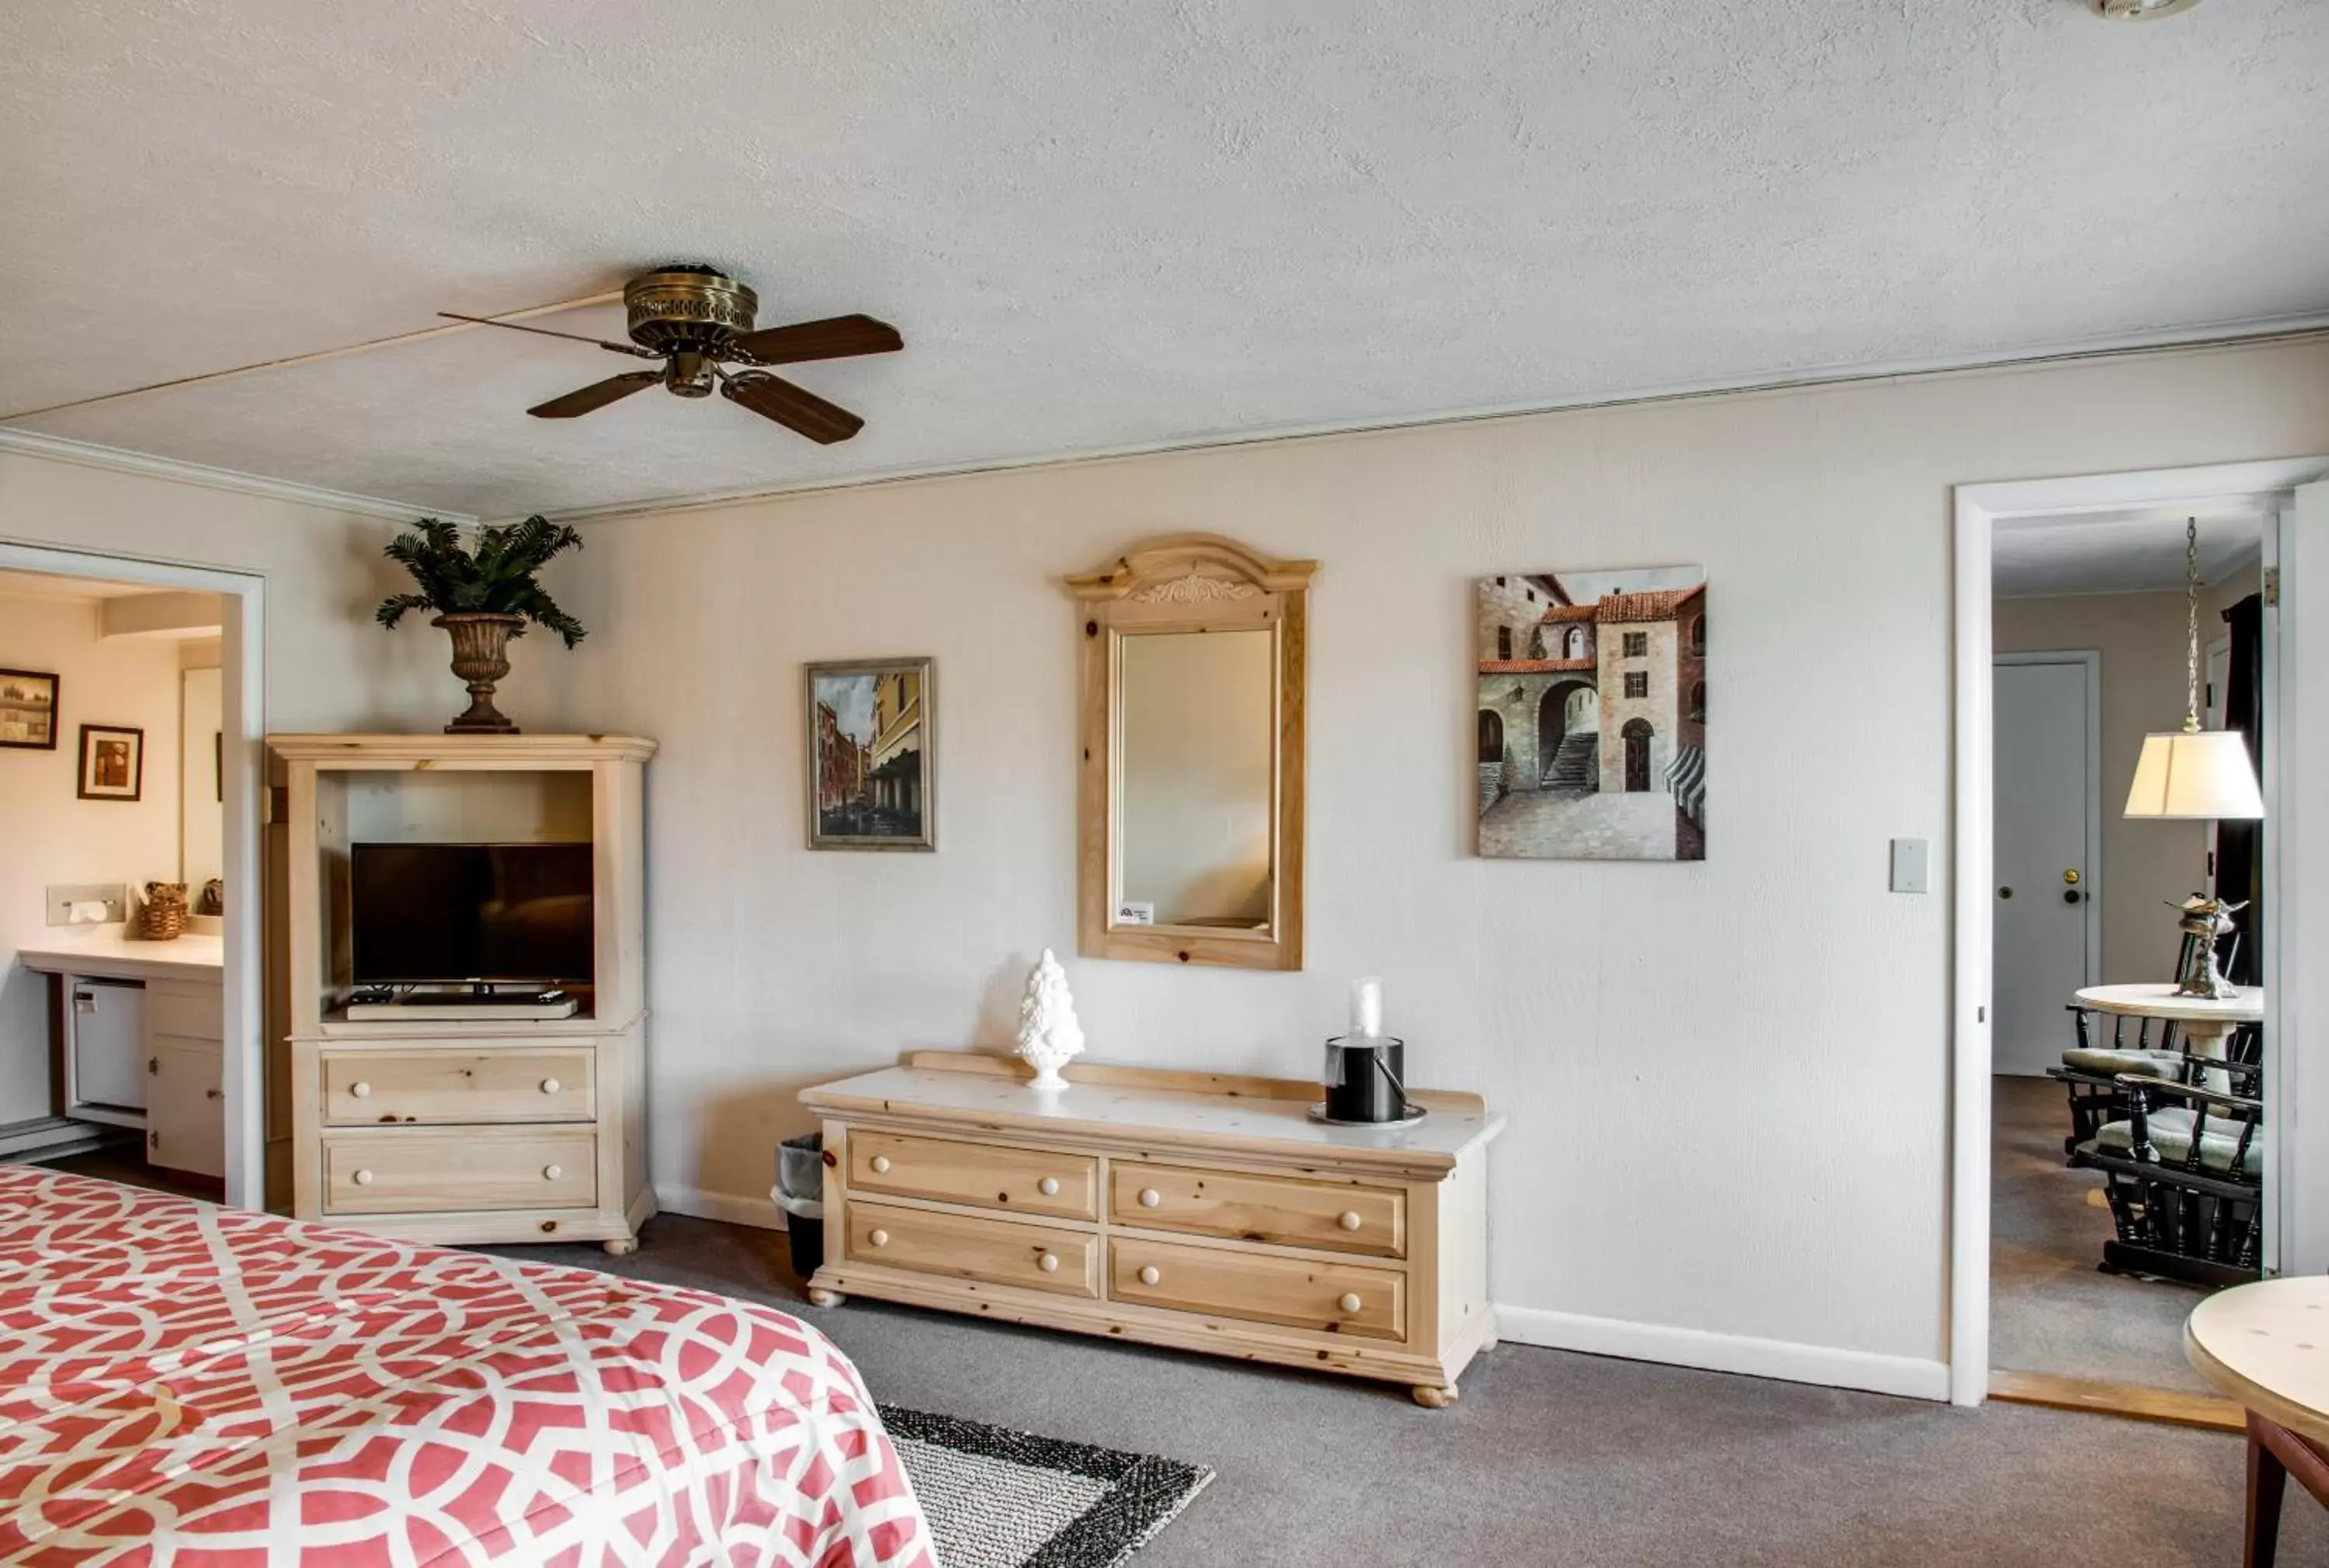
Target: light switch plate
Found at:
114, 895
1908, 861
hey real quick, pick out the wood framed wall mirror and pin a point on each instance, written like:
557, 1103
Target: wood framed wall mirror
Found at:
1193, 737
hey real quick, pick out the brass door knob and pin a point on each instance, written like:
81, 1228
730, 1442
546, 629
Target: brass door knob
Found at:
2072, 876
1149, 1276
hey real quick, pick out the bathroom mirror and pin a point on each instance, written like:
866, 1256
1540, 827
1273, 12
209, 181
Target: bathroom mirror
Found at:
1192, 747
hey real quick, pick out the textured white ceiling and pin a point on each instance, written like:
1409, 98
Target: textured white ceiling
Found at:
1103, 226
2138, 550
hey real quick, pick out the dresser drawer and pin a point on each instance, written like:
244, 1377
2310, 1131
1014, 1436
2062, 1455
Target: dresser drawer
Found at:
361, 1088
1287, 1210
1338, 1298
1022, 1180
961, 1247
426, 1172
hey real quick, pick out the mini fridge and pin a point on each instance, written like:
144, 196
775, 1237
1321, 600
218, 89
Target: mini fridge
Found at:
108, 1044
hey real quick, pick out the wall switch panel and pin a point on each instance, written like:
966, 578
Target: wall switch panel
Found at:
1909, 866
79, 904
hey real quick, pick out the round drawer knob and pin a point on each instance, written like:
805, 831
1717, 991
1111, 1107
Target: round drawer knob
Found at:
552, 1085
360, 1089
1350, 1303
881, 1165
1149, 1276
553, 1172
1150, 1197
1049, 1262
880, 1238
1349, 1220
1048, 1187
364, 1179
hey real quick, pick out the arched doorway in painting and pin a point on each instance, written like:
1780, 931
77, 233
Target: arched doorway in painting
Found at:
1567, 708
1636, 737
1573, 644
1491, 736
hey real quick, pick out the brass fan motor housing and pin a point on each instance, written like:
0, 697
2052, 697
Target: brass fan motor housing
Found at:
687, 309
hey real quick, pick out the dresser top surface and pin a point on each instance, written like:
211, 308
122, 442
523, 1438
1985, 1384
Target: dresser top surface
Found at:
1120, 1111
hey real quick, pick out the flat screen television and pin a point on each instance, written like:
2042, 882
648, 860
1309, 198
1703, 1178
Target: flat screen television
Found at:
470, 914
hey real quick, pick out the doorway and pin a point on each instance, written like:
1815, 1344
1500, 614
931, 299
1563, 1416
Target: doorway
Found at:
2293, 508
1636, 737
233, 1102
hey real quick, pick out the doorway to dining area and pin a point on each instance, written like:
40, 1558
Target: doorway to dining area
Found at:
2128, 1170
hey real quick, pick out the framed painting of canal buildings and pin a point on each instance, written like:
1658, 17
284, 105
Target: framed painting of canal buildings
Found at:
872, 770
1592, 714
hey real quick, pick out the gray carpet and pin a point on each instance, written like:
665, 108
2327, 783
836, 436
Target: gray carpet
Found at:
1550, 1458
2050, 1310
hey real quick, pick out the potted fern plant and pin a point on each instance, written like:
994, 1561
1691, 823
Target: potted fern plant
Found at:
483, 594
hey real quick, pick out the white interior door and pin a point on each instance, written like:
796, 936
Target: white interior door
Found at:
2297, 882
2044, 913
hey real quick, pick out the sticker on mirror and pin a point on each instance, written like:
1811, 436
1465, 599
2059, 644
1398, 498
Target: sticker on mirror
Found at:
1135, 914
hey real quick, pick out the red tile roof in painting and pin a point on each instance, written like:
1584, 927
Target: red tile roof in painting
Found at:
1571, 612
1660, 605
1534, 666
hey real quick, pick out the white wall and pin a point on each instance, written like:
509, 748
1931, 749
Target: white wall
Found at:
2145, 864
48, 834
1726, 1080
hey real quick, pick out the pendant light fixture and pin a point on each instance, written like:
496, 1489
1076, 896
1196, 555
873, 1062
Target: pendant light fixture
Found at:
2194, 772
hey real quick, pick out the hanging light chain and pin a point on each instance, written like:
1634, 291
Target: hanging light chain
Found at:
2191, 625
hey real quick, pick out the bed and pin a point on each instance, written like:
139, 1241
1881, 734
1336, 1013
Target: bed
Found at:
190, 1385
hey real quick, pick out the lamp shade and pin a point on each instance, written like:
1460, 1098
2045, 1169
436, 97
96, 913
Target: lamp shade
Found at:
2195, 774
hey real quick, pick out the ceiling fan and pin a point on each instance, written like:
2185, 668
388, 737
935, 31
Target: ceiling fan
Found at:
698, 321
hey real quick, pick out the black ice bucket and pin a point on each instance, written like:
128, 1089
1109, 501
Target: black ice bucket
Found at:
1366, 1079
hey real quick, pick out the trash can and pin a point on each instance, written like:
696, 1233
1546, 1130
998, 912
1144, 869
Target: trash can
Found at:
800, 1193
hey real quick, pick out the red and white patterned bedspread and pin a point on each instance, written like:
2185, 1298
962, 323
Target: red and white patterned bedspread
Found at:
187, 1385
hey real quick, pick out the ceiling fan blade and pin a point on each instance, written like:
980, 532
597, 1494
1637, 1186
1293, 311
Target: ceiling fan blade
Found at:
795, 407
838, 337
597, 395
632, 349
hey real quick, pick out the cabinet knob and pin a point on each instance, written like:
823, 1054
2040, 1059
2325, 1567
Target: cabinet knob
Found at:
214, 1093
553, 1172
1150, 1197
364, 1179
1350, 1302
360, 1089
1048, 1187
880, 1163
880, 1238
1049, 1262
1349, 1220
552, 1085
1149, 1276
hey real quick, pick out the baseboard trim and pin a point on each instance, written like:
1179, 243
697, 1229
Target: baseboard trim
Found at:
1785, 1360
2168, 1406
728, 1209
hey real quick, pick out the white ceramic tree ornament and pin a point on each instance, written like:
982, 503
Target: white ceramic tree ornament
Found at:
1049, 1035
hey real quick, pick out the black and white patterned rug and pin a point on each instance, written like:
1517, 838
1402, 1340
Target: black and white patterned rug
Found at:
998, 1499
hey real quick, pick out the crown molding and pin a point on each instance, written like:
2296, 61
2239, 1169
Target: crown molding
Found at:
2218, 338
58, 450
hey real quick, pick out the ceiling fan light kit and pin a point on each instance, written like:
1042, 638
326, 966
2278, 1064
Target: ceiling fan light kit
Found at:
698, 321
2138, 10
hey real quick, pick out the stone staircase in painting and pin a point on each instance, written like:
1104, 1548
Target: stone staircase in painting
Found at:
1576, 765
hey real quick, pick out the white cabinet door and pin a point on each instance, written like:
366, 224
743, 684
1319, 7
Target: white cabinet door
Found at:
185, 1123
108, 1043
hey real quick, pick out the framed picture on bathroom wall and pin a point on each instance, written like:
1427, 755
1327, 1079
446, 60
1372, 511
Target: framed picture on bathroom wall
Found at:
28, 711
1591, 726
870, 764
112, 762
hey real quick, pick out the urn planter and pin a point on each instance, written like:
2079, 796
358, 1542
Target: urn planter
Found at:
481, 658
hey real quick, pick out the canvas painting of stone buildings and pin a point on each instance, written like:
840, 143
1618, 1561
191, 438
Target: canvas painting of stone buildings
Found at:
1592, 714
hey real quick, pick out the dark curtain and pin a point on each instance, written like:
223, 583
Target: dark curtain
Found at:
2239, 846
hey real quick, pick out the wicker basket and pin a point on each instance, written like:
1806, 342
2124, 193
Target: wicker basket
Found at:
162, 918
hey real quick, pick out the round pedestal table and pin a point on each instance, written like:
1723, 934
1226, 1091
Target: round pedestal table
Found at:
2267, 1345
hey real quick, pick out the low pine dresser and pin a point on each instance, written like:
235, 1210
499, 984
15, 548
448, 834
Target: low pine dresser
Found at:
1199, 1211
